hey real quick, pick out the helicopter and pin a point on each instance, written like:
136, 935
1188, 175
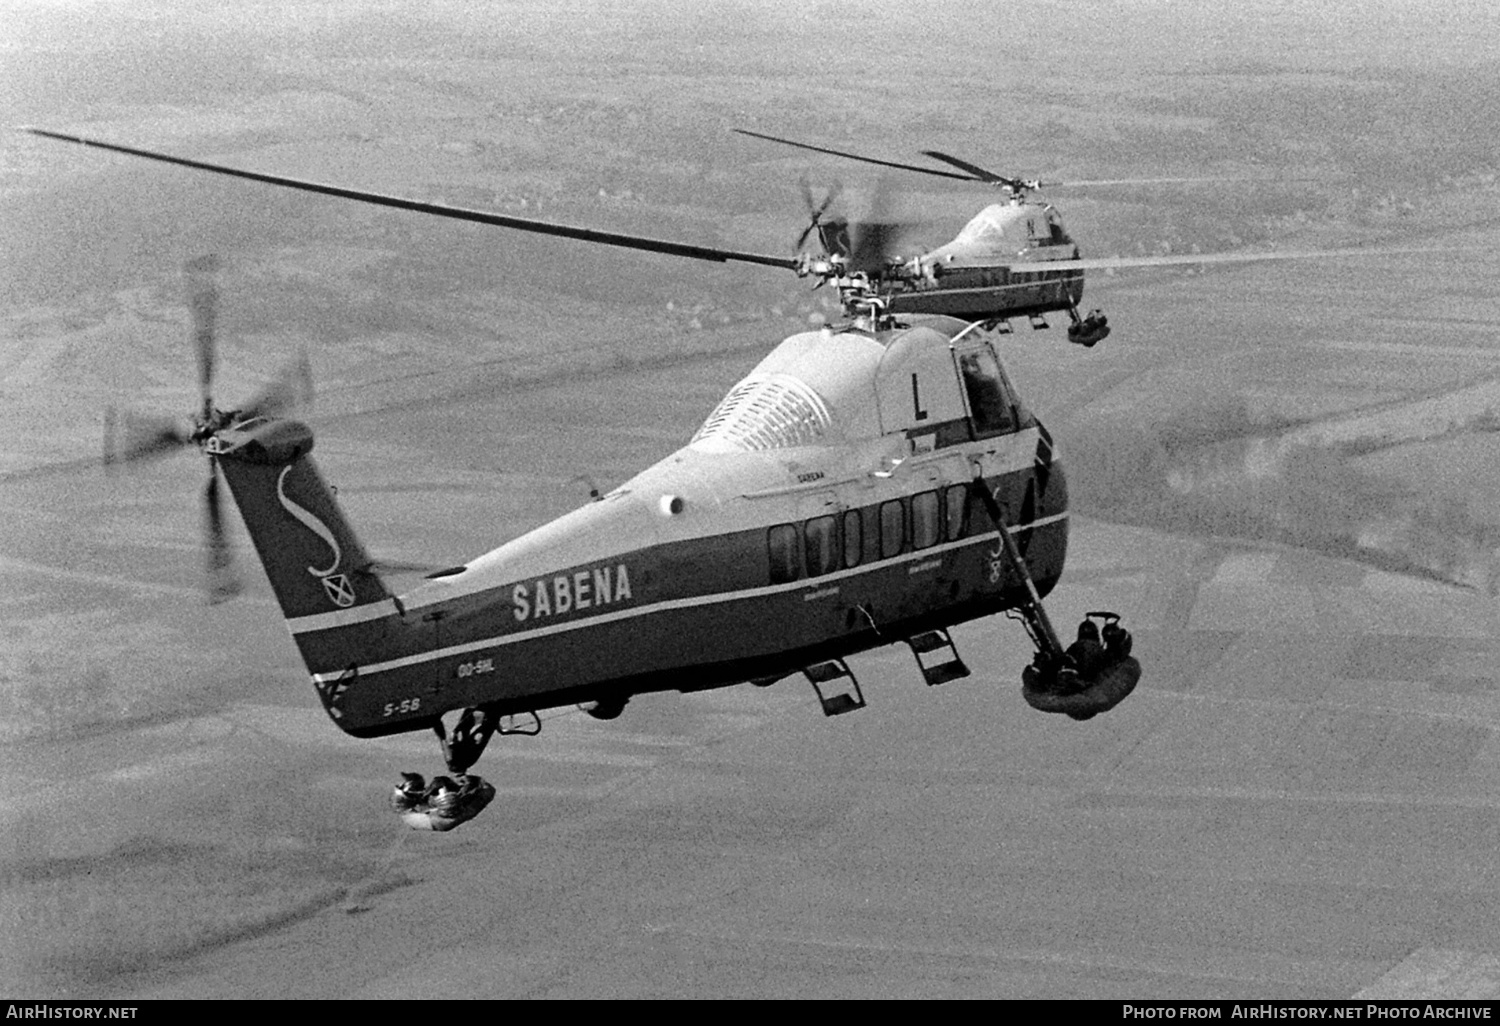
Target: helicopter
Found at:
868, 483
985, 273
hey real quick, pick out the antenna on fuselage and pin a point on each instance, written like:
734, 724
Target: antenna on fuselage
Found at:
594, 493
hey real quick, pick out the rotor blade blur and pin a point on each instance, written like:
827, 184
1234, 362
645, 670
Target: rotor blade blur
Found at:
807, 196
639, 242
222, 583
129, 436
855, 156
834, 192
872, 245
874, 238
290, 391
203, 304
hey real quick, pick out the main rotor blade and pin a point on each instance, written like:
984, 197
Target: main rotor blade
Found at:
1189, 259
855, 156
976, 172
639, 242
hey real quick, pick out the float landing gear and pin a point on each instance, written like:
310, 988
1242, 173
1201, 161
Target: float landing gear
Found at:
445, 803
1091, 676
1096, 673
1087, 331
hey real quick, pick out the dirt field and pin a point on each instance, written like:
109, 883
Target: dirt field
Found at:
1286, 476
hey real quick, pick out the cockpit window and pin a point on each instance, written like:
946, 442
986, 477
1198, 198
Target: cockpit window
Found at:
1055, 226
989, 405
774, 412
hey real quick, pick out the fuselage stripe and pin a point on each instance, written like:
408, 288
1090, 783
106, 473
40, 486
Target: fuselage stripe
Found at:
683, 603
342, 617
1018, 455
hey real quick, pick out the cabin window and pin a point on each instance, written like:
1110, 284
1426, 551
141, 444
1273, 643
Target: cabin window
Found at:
786, 562
989, 405
958, 511
822, 537
892, 528
853, 538
925, 521
872, 533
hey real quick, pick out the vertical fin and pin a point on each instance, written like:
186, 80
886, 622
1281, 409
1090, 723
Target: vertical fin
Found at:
311, 554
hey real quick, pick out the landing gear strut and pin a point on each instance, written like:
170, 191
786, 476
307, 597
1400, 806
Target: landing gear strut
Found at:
462, 748
1090, 676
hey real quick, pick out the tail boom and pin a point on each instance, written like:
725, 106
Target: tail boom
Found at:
337, 608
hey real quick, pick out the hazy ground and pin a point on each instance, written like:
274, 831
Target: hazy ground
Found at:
1287, 479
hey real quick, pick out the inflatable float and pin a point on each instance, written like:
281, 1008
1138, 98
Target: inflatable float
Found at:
1080, 695
443, 805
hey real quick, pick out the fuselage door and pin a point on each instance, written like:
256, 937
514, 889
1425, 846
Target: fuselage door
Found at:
991, 401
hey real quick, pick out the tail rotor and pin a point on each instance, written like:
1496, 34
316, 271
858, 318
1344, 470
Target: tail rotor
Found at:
223, 582
200, 277
289, 392
815, 212
863, 247
131, 438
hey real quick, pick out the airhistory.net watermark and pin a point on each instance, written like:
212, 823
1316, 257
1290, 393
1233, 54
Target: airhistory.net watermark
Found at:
40, 1010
